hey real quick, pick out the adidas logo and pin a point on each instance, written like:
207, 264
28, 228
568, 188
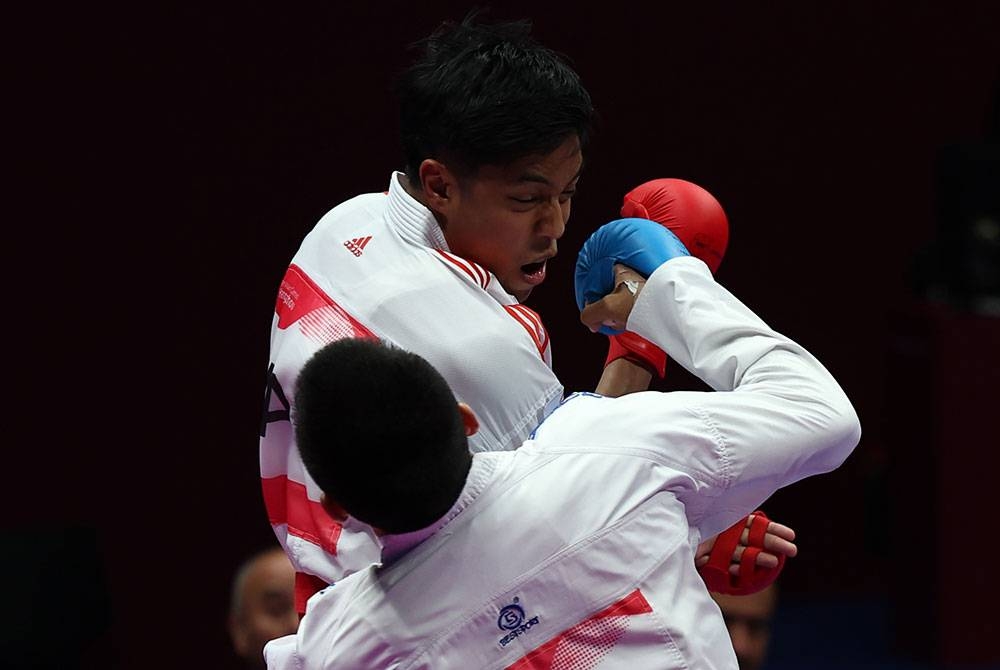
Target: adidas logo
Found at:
357, 245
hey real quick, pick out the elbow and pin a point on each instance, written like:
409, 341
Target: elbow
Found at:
843, 433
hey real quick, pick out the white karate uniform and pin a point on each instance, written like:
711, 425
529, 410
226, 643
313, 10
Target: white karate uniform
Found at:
378, 266
577, 550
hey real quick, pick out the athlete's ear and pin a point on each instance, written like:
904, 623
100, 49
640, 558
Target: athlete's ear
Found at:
469, 419
437, 184
336, 512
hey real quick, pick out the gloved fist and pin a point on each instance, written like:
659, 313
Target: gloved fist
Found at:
688, 210
698, 220
640, 244
746, 557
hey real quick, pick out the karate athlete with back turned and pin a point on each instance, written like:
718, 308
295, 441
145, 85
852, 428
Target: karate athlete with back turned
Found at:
576, 549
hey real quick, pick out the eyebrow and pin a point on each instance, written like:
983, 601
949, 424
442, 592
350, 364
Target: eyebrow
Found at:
536, 178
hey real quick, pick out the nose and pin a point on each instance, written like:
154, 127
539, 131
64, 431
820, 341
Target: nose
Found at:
553, 220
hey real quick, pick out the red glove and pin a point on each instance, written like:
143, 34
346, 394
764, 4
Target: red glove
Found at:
689, 211
751, 577
696, 217
639, 350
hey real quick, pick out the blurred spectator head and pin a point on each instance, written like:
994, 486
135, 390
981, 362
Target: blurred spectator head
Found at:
749, 621
262, 605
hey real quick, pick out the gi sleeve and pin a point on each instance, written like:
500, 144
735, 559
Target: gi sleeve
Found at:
777, 415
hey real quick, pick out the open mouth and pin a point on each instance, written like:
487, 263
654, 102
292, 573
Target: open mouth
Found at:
534, 273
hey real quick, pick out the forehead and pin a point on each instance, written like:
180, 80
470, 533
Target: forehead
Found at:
271, 569
754, 605
557, 168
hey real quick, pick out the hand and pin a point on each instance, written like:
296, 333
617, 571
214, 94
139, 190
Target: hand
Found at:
778, 541
697, 219
640, 244
614, 309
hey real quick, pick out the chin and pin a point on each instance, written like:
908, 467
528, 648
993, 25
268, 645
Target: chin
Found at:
521, 295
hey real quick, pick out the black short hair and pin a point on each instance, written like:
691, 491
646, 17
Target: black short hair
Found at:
379, 431
488, 94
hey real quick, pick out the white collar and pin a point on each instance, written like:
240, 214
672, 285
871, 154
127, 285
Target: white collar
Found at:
413, 220
480, 474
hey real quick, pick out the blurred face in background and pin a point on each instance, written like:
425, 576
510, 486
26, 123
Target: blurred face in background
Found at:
263, 606
748, 619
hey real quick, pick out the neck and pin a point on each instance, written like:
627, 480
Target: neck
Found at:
395, 545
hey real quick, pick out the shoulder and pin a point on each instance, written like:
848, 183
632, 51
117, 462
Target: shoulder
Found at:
580, 403
350, 625
361, 211
665, 427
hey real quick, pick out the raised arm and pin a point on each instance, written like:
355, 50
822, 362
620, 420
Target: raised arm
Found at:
779, 415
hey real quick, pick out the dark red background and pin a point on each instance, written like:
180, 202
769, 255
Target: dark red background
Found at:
169, 161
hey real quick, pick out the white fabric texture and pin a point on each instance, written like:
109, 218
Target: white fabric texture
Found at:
578, 548
379, 264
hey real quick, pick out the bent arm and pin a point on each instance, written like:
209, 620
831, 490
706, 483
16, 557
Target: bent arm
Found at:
778, 415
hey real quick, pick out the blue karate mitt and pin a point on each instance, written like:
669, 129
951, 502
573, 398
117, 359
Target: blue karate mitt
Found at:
641, 244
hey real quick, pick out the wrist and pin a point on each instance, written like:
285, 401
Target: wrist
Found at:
640, 351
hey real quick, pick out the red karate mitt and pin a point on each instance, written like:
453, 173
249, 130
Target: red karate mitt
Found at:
751, 577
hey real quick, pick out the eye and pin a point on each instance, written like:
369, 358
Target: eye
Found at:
566, 196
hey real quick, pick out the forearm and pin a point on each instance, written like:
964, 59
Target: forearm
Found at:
781, 416
709, 332
622, 376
